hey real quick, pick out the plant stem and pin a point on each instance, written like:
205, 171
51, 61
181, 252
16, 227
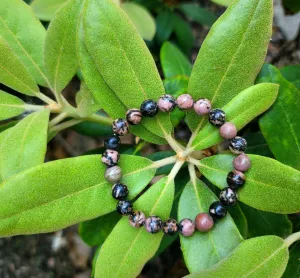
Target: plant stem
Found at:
164, 162
193, 161
58, 119
44, 98
65, 125
98, 119
291, 239
192, 172
173, 143
30, 107
175, 170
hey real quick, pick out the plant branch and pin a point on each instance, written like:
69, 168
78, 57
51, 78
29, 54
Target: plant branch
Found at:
58, 119
292, 239
65, 125
192, 172
175, 170
193, 161
174, 144
163, 162
44, 98
98, 119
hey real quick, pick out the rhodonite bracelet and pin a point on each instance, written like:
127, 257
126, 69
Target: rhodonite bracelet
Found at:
228, 196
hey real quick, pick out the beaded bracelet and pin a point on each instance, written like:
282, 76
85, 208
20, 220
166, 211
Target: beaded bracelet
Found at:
228, 196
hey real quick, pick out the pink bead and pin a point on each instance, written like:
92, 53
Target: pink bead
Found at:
186, 227
166, 103
185, 102
204, 222
202, 106
242, 163
228, 130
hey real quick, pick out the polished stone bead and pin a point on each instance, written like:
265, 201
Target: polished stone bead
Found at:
238, 145
110, 157
112, 142
228, 196
185, 102
166, 103
170, 227
113, 174
134, 116
217, 117
137, 219
186, 227
228, 130
236, 179
124, 207
119, 191
120, 127
217, 210
242, 163
204, 222
153, 224
149, 108
202, 106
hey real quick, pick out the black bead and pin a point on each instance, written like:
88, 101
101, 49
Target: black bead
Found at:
217, 117
124, 207
217, 210
236, 179
238, 145
228, 196
149, 108
119, 191
112, 142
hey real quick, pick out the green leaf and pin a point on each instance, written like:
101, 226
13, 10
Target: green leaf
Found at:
92, 129
176, 86
231, 55
46, 9
292, 269
173, 61
292, 74
225, 3
64, 192
164, 26
256, 144
142, 20
6, 126
25, 144
282, 119
270, 185
127, 249
292, 5
240, 220
203, 250
241, 110
257, 257
10, 106
161, 155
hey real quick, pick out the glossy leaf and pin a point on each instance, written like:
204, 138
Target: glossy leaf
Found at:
257, 257
164, 26
240, 219
64, 192
292, 74
256, 144
203, 250
292, 269
10, 106
161, 155
241, 110
46, 9
6, 126
127, 249
270, 186
225, 3
229, 61
176, 86
92, 129
25, 145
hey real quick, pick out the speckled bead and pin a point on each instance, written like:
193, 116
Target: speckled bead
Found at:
186, 227
204, 222
170, 227
166, 103
112, 142
236, 179
137, 219
124, 207
119, 191
242, 163
149, 108
238, 145
185, 101
217, 117
113, 174
134, 116
228, 196
110, 158
217, 210
120, 127
153, 224
228, 130
202, 106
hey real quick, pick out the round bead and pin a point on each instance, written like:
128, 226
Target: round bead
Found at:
113, 174
236, 179
149, 108
186, 227
242, 163
119, 191
166, 103
134, 116
217, 117
217, 210
202, 106
120, 127
153, 224
228, 130
110, 157
112, 142
124, 207
170, 227
137, 219
228, 196
204, 222
238, 145
185, 102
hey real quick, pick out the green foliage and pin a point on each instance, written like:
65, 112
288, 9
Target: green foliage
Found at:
292, 74
292, 269
45, 9
11, 106
164, 26
225, 3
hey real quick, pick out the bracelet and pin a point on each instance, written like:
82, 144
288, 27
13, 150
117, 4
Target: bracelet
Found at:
228, 196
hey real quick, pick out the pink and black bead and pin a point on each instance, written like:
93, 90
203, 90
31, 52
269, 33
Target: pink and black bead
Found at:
120, 127
137, 219
217, 117
119, 191
153, 224
134, 116
166, 103
149, 108
185, 102
110, 157
170, 227
124, 207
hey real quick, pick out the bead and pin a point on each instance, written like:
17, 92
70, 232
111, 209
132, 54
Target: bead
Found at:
119, 191
124, 207
149, 108
153, 224
120, 127
217, 117
137, 219
170, 227
185, 102
228, 196
217, 210
186, 227
242, 163
238, 145
110, 157
228, 130
166, 103
113, 174
134, 116
204, 222
202, 106
112, 143
236, 179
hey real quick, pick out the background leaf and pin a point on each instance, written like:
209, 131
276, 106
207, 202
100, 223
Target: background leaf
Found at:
164, 26
10, 106
292, 74
292, 269
45, 9
225, 3
240, 219
256, 144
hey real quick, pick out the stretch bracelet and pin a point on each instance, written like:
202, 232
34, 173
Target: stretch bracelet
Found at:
228, 196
